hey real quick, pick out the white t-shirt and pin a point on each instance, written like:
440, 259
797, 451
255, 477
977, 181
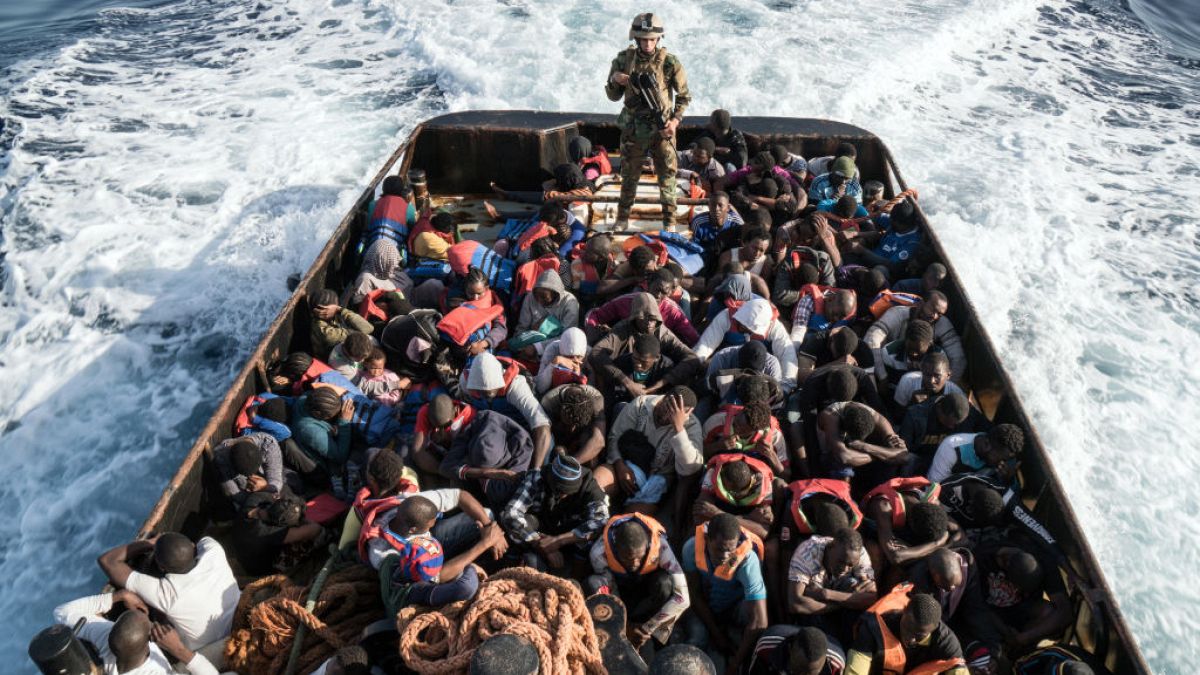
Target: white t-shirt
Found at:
200, 603
910, 383
96, 632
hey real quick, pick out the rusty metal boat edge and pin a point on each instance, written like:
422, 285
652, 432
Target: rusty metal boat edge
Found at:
521, 144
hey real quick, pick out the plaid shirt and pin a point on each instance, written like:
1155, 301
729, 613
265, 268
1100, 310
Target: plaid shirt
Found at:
531, 498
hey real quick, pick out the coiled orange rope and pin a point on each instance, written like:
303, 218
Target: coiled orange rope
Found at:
547, 611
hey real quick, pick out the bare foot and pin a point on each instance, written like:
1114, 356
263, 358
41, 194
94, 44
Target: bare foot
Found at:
492, 212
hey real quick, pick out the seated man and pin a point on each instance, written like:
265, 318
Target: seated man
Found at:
1025, 593
662, 284
498, 385
549, 300
928, 423
930, 280
903, 355
249, 464
412, 565
592, 263
749, 429
1060, 659
124, 645
577, 420
493, 450
645, 365
554, 514
754, 320
332, 323
985, 506
951, 576
830, 580
841, 180
270, 533
926, 527
723, 566
712, 228
473, 323
653, 440
752, 254
192, 584
931, 381
818, 312
932, 309
347, 357
432, 237
730, 143
801, 266
857, 442
895, 244
750, 356
739, 485
627, 276
822, 164
698, 164
633, 560
438, 423
905, 634
792, 650
993, 451
644, 319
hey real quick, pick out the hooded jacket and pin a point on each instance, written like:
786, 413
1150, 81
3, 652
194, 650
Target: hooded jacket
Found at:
620, 341
565, 308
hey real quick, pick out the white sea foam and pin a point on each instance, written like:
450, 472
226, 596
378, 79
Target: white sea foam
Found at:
170, 171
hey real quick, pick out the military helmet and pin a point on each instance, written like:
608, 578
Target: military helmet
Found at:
646, 25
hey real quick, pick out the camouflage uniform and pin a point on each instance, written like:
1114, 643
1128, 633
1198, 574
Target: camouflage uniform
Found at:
639, 128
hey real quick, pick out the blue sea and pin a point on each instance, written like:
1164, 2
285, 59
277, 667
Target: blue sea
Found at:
165, 165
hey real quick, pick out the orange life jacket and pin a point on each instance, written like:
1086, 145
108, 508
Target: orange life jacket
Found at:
662, 255
893, 491
540, 229
650, 564
527, 274
370, 509
242, 422
369, 310
315, 370
748, 543
461, 323
765, 476
894, 659
838, 489
888, 299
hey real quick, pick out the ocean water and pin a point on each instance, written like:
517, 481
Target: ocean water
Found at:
165, 165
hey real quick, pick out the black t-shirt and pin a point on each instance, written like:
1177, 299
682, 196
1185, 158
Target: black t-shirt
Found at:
942, 644
617, 393
257, 545
814, 394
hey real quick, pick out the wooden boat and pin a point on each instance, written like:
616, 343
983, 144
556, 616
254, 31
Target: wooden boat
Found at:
461, 153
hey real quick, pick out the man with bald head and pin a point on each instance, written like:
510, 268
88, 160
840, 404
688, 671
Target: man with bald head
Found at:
818, 312
124, 645
894, 323
192, 584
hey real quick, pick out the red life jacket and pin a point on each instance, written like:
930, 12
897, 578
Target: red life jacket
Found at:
888, 299
819, 294
895, 489
598, 161
798, 257
560, 376
462, 323
591, 276
748, 543
527, 274
242, 422
369, 510
530, 235
653, 555
425, 224
765, 476
369, 310
315, 370
838, 489
894, 659
660, 249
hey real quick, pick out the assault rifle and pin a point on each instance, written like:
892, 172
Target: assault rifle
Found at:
646, 86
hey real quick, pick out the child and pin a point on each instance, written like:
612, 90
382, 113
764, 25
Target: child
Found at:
379, 383
347, 357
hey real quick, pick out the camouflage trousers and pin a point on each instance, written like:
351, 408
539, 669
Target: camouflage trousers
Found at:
640, 135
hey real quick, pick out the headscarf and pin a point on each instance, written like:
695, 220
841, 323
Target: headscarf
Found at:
382, 259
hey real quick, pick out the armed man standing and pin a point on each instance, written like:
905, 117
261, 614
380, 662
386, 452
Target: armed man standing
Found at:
646, 75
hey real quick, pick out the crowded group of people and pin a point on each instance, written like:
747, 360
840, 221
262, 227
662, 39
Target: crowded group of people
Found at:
758, 433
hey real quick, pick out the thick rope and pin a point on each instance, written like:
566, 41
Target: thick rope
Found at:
272, 609
547, 611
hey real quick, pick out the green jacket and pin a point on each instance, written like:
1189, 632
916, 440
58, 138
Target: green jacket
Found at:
665, 66
326, 335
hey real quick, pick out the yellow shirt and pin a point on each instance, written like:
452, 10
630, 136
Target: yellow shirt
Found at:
430, 245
